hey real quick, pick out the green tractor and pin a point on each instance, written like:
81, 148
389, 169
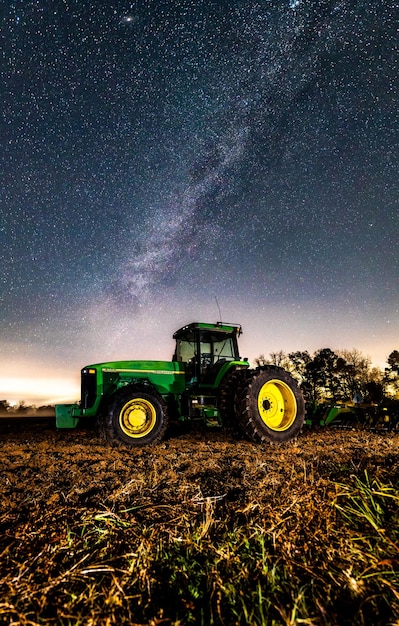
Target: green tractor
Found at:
207, 380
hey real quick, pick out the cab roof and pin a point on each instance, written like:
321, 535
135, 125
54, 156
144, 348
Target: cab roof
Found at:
220, 327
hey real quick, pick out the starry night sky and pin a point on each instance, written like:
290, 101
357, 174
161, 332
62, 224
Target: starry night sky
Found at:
157, 155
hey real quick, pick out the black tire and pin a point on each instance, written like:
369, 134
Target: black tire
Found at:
270, 405
137, 417
228, 392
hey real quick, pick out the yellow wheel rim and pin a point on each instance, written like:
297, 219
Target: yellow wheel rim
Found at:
277, 405
137, 418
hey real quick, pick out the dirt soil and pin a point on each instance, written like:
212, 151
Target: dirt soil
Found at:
42, 465
52, 481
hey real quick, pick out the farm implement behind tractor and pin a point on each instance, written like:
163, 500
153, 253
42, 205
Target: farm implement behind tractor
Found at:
352, 415
134, 401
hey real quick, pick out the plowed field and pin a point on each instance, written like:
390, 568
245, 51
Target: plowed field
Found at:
202, 528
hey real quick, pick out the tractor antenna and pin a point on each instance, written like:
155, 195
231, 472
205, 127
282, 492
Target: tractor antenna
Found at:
220, 313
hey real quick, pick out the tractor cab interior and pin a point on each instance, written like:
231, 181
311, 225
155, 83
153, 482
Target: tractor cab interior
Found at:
204, 350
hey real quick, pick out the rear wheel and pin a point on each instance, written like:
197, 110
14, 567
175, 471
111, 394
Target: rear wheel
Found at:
270, 405
228, 391
137, 417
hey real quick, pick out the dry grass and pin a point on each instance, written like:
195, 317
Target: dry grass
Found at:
201, 529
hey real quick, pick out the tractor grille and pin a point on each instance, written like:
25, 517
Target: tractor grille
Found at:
89, 388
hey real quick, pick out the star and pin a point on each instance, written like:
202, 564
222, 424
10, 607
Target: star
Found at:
128, 19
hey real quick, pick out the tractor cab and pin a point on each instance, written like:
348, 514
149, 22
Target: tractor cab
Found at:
205, 348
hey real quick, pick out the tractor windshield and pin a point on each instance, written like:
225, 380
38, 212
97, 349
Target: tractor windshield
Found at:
215, 347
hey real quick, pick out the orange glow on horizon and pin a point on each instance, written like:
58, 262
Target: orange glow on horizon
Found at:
38, 391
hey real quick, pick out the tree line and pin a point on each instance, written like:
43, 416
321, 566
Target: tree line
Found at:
339, 376
22, 409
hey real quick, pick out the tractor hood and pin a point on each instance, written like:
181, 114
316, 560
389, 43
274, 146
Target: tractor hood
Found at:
165, 376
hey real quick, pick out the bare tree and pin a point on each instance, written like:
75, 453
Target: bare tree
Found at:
279, 359
354, 373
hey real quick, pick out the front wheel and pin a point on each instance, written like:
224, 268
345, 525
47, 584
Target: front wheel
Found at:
270, 405
137, 417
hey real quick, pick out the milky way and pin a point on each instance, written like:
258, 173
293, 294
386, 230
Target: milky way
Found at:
155, 155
